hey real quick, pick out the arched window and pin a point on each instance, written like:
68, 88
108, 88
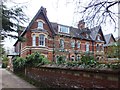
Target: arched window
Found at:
33, 40
42, 40
40, 25
97, 47
61, 43
73, 58
78, 58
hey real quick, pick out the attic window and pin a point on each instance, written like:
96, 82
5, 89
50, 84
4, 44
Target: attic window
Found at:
40, 25
63, 29
98, 37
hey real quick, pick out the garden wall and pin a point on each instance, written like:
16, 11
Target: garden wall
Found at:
75, 78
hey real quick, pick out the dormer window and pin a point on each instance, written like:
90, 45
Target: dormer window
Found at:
63, 29
40, 25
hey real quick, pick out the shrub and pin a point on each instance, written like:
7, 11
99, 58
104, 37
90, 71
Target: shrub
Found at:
89, 60
35, 59
73, 63
5, 62
19, 63
60, 60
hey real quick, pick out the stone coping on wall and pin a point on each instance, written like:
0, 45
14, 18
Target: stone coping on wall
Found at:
76, 77
91, 70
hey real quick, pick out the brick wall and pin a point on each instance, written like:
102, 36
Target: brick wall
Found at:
74, 78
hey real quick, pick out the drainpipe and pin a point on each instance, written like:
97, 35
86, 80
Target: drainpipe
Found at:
53, 49
93, 47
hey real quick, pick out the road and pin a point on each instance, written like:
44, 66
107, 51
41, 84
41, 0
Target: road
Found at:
9, 80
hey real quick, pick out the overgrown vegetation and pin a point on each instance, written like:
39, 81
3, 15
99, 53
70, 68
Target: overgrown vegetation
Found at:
4, 61
87, 61
33, 60
60, 60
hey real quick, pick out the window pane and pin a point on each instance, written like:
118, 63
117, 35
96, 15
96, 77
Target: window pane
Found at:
64, 29
98, 47
72, 44
33, 40
42, 40
62, 43
78, 45
40, 25
87, 47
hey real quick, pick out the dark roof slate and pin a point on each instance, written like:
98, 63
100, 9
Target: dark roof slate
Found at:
74, 32
94, 32
107, 38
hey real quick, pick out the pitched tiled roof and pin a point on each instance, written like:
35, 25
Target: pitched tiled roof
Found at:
107, 39
74, 32
41, 10
94, 32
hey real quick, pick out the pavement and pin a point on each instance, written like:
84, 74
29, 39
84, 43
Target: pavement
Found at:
9, 80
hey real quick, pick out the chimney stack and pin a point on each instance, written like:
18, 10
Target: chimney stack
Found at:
81, 24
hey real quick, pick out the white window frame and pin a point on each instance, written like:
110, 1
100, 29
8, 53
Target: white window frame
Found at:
42, 40
73, 44
62, 44
78, 44
98, 37
40, 25
33, 40
87, 47
60, 29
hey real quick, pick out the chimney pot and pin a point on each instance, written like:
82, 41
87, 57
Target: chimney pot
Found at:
81, 24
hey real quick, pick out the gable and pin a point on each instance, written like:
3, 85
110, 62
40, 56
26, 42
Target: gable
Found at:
40, 15
100, 35
95, 32
111, 39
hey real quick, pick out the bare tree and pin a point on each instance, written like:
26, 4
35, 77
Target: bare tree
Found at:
97, 12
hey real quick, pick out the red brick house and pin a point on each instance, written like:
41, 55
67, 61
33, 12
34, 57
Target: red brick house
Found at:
110, 42
53, 40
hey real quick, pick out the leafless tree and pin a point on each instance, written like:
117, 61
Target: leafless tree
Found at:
97, 12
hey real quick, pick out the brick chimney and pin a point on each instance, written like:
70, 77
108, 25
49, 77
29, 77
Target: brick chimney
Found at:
81, 24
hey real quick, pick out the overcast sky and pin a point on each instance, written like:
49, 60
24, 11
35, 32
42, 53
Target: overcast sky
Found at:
57, 11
